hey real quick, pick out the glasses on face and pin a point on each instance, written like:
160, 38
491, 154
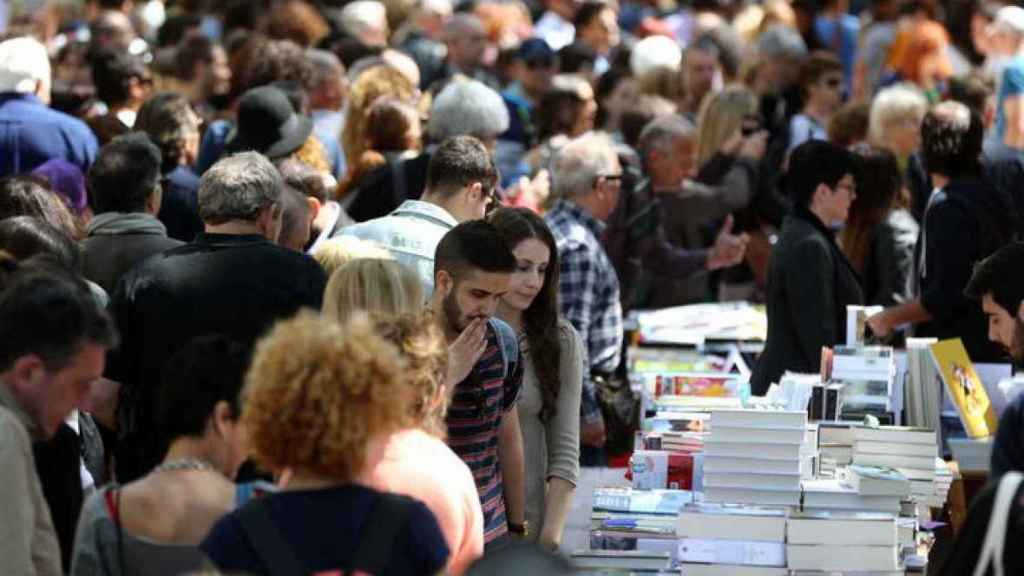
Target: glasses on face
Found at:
834, 82
609, 178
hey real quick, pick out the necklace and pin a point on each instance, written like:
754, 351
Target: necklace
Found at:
184, 464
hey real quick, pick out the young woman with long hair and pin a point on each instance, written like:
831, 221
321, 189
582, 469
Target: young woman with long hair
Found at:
549, 407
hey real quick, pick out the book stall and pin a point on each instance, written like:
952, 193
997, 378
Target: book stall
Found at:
848, 471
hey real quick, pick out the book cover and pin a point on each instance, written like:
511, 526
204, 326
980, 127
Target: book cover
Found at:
759, 419
965, 388
836, 528
751, 496
842, 558
896, 434
742, 464
897, 449
706, 520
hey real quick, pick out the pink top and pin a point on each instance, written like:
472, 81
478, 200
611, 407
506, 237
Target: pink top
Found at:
415, 464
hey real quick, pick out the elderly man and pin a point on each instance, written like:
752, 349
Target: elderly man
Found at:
702, 74
53, 338
30, 132
657, 236
464, 108
586, 180
232, 279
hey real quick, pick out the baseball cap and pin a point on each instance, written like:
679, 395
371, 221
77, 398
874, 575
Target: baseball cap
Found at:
23, 62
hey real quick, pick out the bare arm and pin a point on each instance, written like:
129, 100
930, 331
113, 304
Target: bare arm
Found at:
1013, 112
556, 512
912, 312
510, 454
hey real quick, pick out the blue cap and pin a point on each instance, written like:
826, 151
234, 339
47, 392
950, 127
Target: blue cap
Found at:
536, 50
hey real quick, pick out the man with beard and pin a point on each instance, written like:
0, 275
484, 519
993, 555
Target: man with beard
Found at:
998, 283
472, 271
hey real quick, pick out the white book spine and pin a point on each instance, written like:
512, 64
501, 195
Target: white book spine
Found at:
739, 552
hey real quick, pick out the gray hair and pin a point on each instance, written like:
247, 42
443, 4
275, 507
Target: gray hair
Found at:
892, 105
579, 163
783, 41
323, 64
362, 16
662, 132
238, 187
467, 108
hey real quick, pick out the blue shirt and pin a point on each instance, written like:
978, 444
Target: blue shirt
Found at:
32, 133
825, 29
1011, 86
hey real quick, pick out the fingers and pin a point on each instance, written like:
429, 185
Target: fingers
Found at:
727, 227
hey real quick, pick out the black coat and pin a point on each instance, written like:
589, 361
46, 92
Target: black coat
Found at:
810, 283
235, 285
105, 258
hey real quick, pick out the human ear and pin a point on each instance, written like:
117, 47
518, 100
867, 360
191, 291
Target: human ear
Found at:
221, 417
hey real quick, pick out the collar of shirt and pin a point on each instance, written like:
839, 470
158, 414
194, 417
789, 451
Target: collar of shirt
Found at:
7, 400
581, 215
426, 211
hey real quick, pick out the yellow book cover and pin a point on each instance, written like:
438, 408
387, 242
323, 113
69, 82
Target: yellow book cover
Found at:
965, 388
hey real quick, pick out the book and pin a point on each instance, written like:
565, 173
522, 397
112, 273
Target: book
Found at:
857, 323
752, 496
965, 388
972, 454
741, 464
878, 481
836, 494
619, 559
666, 421
895, 434
690, 569
641, 501
835, 528
842, 557
715, 521
760, 435
836, 433
894, 461
759, 419
752, 480
922, 450
713, 447
736, 552
652, 469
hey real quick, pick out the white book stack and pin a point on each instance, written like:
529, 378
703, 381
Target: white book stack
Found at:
867, 374
943, 482
911, 451
835, 447
754, 457
825, 494
837, 541
731, 540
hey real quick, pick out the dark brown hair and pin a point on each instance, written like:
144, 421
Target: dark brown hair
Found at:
541, 318
879, 192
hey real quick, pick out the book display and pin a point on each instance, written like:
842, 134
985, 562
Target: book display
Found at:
727, 484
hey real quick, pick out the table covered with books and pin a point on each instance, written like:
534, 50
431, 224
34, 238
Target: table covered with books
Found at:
846, 471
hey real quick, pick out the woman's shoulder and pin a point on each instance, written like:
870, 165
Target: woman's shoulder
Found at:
567, 333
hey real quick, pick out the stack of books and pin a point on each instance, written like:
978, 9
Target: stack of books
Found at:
943, 482
911, 451
620, 562
635, 520
754, 457
629, 501
716, 540
824, 494
878, 481
842, 541
867, 375
835, 447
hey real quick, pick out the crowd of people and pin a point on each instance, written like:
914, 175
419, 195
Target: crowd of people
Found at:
339, 286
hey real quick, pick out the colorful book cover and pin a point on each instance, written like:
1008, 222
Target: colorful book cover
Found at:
965, 388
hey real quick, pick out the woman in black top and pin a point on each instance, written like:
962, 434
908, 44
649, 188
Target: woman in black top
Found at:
810, 282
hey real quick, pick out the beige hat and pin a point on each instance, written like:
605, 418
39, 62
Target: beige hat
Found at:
23, 62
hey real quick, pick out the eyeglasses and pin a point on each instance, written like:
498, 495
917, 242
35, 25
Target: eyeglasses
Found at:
610, 178
833, 82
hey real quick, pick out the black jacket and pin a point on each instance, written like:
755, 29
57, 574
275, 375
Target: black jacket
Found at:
384, 189
966, 221
237, 286
106, 257
889, 265
810, 283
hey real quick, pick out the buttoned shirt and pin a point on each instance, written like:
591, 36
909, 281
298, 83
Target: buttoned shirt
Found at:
588, 292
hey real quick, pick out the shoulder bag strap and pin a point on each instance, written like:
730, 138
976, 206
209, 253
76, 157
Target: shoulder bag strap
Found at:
386, 519
508, 343
998, 520
267, 540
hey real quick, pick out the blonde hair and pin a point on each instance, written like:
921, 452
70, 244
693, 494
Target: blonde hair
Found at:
318, 391
893, 105
419, 340
721, 116
336, 252
372, 285
372, 83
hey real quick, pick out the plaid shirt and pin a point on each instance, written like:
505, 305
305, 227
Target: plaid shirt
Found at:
589, 293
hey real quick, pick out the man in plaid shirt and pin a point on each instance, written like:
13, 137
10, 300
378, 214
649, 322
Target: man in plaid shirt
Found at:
586, 178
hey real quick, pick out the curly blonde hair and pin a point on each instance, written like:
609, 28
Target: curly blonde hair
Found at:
317, 391
420, 341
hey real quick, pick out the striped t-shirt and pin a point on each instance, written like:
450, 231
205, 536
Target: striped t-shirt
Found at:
474, 421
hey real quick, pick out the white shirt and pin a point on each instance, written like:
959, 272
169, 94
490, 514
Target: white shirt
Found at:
555, 30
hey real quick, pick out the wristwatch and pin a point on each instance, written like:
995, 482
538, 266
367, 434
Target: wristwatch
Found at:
519, 529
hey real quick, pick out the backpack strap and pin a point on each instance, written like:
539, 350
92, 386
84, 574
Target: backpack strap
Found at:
386, 520
267, 540
995, 537
508, 344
